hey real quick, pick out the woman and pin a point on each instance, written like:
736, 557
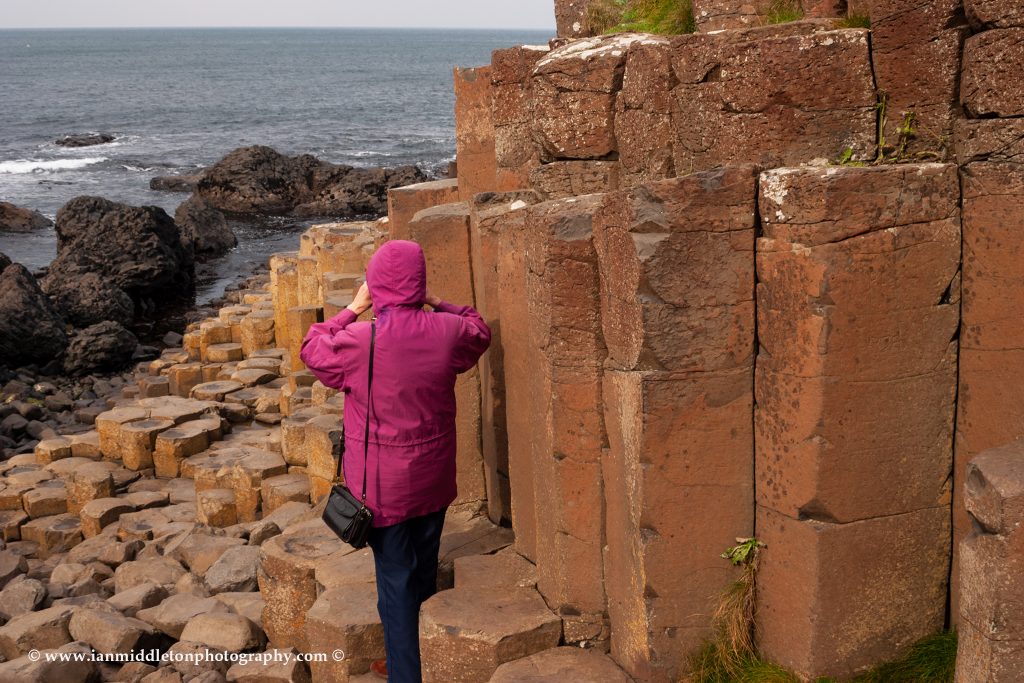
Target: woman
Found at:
411, 464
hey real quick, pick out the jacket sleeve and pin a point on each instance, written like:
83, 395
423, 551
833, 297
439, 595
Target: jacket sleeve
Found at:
325, 347
474, 336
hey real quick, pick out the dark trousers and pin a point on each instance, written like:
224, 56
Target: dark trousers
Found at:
405, 555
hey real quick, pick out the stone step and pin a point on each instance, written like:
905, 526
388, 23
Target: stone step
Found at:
467, 633
562, 664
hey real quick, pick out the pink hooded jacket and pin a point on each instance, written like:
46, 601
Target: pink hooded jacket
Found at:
418, 354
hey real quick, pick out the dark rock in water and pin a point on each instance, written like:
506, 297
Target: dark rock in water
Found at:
204, 228
260, 180
175, 183
103, 347
85, 140
30, 329
136, 249
90, 298
16, 219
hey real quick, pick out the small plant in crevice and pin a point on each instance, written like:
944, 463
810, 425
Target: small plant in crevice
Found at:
782, 12
898, 151
854, 20
665, 17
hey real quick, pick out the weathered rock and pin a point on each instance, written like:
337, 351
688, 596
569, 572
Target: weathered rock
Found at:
992, 569
136, 249
561, 664
466, 634
216, 507
405, 202
512, 113
84, 139
11, 565
30, 329
171, 615
280, 666
175, 183
160, 571
284, 488
994, 13
572, 18
45, 501
16, 219
260, 180
40, 630
137, 441
345, 619
225, 632
103, 347
234, 571
992, 63
111, 632
20, 597
643, 109
71, 664
89, 482
90, 298
474, 133
98, 513
204, 228
559, 179
54, 534
143, 596
506, 568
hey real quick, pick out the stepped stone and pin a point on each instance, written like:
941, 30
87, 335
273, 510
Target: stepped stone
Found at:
216, 507
561, 179
171, 615
512, 113
247, 475
40, 630
184, 377
991, 360
505, 568
992, 569
109, 425
85, 445
474, 132
98, 513
214, 391
257, 330
990, 84
45, 501
183, 441
89, 482
406, 202
51, 450
567, 353
834, 599
561, 664
284, 488
347, 567
10, 524
11, 565
300, 319
466, 533
346, 619
466, 634
319, 443
772, 96
153, 387
224, 353
178, 409
54, 534
111, 632
137, 441
211, 333
287, 580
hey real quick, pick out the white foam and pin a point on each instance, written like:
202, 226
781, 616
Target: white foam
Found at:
34, 166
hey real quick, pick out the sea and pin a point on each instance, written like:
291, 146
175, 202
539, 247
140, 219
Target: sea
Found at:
180, 99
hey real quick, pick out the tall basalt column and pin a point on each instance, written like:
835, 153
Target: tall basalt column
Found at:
406, 202
284, 288
443, 232
991, 626
512, 113
474, 132
991, 400
568, 437
858, 312
677, 307
489, 218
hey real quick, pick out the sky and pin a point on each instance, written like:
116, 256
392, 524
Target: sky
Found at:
511, 14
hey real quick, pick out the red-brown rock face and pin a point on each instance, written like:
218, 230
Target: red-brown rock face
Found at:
858, 308
474, 132
991, 85
512, 113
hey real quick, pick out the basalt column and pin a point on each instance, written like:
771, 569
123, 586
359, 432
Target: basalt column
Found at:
443, 232
677, 309
567, 434
474, 132
858, 311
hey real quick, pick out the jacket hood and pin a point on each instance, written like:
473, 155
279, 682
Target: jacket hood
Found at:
397, 275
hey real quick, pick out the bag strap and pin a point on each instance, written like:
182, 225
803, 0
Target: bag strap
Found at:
369, 406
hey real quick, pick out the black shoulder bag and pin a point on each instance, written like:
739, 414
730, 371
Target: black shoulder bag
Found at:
345, 514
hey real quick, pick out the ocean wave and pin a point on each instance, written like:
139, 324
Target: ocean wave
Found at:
20, 166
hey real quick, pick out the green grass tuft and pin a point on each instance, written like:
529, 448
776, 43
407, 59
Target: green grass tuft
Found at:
665, 17
855, 21
783, 12
932, 660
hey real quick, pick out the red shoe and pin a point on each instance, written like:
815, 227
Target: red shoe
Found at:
380, 668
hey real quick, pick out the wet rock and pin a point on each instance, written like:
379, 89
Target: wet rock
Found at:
137, 249
84, 139
16, 219
175, 183
204, 228
260, 180
30, 329
105, 346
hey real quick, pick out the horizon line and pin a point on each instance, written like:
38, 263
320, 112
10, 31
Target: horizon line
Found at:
389, 28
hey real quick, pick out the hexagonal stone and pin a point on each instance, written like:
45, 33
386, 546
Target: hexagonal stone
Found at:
137, 440
98, 513
54, 534
345, 618
246, 478
223, 631
214, 391
251, 377
86, 445
184, 377
10, 524
505, 568
108, 427
154, 387
347, 567
562, 664
200, 551
45, 501
467, 633
284, 488
287, 579
89, 482
224, 353
50, 450
183, 441
216, 507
